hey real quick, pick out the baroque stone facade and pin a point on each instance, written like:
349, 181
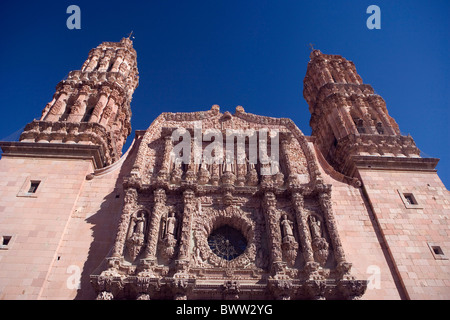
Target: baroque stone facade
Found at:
163, 229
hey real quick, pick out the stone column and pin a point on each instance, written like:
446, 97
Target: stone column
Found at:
349, 124
111, 123
322, 66
159, 208
164, 173
47, 107
303, 231
104, 63
79, 107
325, 204
56, 110
188, 212
101, 103
292, 178
94, 60
124, 67
122, 132
119, 58
272, 218
86, 63
377, 104
130, 203
351, 72
111, 108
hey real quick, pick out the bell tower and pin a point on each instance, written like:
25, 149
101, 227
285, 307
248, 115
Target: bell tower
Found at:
91, 107
348, 119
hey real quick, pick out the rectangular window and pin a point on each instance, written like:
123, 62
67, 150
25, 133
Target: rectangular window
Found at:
437, 251
5, 242
409, 200
33, 186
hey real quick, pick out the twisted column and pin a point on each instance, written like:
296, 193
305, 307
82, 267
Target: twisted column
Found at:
325, 204
130, 203
188, 212
302, 223
274, 233
159, 209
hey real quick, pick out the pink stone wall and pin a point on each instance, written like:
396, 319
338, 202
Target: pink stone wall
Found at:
37, 223
408, 230
361, 240
63, 233
90, 234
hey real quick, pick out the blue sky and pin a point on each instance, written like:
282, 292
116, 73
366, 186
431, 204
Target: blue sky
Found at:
193, 54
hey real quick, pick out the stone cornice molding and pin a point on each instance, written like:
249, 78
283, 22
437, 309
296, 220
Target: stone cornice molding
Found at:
53, 150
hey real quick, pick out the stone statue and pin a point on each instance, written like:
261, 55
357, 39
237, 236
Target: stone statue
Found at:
319, 244
316, 231
289, 245
171, 224
286, 229
136, 236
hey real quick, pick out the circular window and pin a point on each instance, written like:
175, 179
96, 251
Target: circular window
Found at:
227, 242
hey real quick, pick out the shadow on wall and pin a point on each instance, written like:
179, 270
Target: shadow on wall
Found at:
105, 222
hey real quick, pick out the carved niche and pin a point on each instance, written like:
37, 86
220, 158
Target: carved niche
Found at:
136, 237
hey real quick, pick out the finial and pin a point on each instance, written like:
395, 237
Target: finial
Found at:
131, 33
312, 46
240, 109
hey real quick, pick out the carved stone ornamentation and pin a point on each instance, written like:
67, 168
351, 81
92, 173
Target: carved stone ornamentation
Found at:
72, 105
289, 244
203, 230
231, 290
319, 244
136, 234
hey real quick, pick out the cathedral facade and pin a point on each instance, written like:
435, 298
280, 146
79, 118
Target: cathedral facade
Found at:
219, 205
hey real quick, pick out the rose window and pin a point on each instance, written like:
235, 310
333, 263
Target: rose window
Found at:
227, 242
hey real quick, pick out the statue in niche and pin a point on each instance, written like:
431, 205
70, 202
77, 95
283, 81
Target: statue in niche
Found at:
319, 243
171, 225
286, 229
252, 175
278, 176
228, 176
177, 172
169, 234
203, 174
288, 243
136, 235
